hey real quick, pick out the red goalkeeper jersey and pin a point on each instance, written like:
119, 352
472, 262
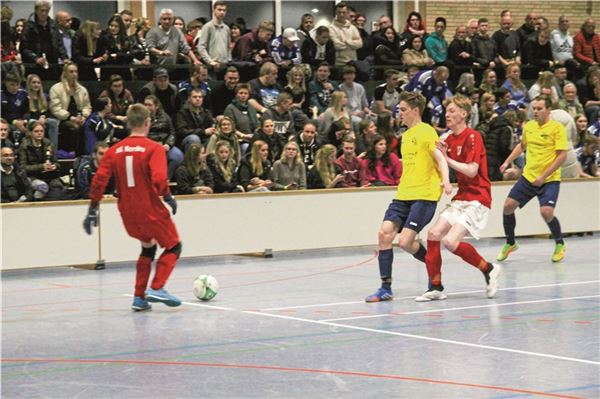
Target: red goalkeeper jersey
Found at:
139, 165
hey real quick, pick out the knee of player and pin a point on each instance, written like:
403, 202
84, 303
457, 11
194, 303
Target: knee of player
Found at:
385, 237
149, 252
547, 213
449, 244
176, 249
433, 235
405, 243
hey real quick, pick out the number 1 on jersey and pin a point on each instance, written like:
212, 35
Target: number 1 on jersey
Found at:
129, 171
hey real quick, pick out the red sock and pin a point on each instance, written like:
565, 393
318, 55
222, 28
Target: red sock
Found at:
470, 255
164, 267
433, 261
143, 268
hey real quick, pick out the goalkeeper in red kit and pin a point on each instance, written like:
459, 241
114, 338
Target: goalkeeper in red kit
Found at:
139, 166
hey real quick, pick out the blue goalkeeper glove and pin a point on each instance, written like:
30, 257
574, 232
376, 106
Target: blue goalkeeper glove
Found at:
170, 200
91, 219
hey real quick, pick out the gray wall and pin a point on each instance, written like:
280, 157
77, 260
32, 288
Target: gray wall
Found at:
372, 10
188, 10
100, 11
291, 12
254, 12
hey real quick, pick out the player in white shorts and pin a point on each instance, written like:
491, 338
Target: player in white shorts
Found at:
469, 208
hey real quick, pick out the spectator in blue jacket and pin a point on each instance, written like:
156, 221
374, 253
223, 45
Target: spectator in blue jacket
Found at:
286, 52
97, 127
15, 105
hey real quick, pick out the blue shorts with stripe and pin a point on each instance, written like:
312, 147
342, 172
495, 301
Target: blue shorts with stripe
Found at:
523, 192
413, 215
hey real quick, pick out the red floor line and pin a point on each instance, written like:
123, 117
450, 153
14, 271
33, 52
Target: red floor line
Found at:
290, 369
337, 269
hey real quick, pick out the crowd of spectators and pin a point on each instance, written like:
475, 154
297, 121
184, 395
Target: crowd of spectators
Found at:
242, 109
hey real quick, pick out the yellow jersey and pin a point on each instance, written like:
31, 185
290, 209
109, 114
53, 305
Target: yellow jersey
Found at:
420, 178
541, 144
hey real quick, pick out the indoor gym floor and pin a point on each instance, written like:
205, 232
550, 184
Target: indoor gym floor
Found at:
297, 326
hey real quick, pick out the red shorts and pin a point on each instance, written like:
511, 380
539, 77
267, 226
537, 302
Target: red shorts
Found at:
163, 231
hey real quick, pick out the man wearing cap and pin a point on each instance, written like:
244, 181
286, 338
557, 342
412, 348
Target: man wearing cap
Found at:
285, 51
164, 90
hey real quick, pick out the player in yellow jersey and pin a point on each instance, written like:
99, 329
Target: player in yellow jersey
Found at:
546, 143
424, 176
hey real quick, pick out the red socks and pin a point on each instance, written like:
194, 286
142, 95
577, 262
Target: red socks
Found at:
471, 256
433, 261
164, 267
143, 267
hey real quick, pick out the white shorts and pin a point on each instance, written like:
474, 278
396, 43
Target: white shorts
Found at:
470, 214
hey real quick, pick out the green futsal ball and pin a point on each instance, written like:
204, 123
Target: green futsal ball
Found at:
205, 287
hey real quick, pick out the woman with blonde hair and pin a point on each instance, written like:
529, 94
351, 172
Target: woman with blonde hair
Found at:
222, 167
193, 176
486, 106
138, 46
289, 172
489, 81
255, 170
39, 109
70, 104
86, 52
545, 81
226, 132
325, 173
515, 85
336, 111
297, 88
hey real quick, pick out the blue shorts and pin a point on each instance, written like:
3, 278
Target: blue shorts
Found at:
413, 215
523, 191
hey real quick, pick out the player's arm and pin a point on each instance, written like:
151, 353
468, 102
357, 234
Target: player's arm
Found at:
469, 169
101, 179
518, 150
561, 155
160, 181
442, 166
99, 183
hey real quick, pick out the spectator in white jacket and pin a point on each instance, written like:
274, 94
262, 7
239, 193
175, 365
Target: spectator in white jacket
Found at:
345, 36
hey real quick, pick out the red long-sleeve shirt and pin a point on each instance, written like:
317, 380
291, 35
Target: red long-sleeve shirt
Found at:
140, 169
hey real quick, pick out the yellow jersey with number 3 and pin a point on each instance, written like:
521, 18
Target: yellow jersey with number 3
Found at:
420, 178
541, 144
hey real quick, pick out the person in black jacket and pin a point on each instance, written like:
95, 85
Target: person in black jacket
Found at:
162, 131
459, 50
254, 172
222, 168
87, 54
15, 185
538, 52
318, 47
387, 48
37, 157
42, 44
266, 133
193, 176
497, 137
194, 124
116, 44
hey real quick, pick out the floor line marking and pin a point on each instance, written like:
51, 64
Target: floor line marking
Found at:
412, 296
385, 332
293, 369
493, 305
